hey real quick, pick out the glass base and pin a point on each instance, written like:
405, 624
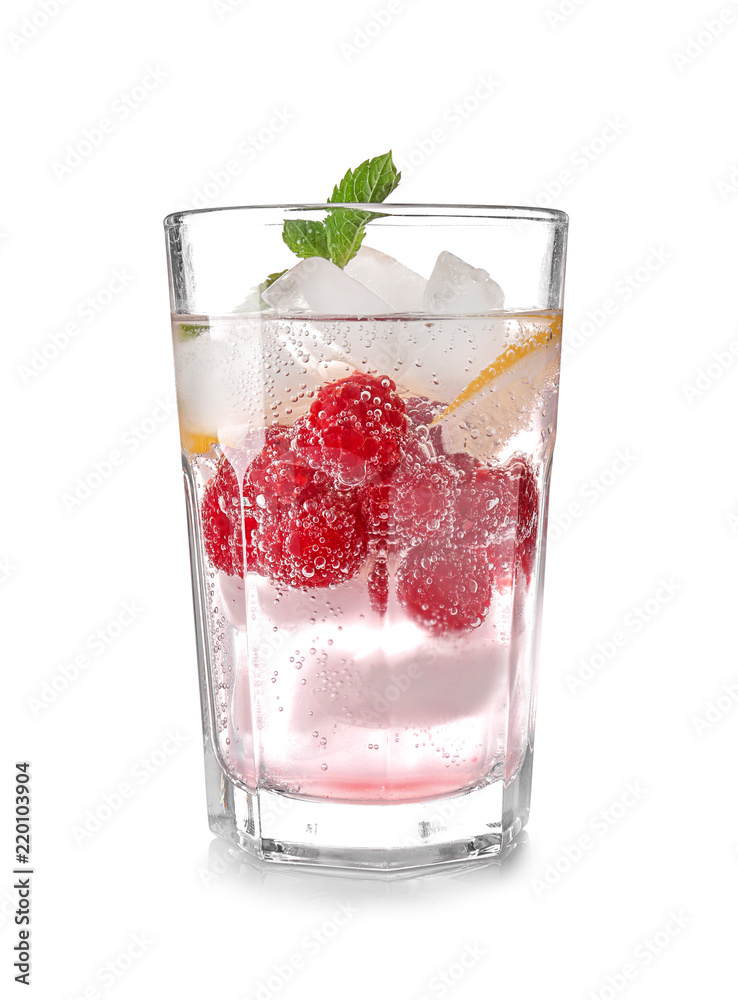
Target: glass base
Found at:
479, 822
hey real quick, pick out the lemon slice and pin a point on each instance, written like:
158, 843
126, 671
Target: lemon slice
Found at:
197, 442
506, 361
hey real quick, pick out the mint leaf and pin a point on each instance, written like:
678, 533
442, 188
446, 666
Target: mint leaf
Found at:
372, 181
340, 236
345, 231
254, 300
270, 279
305, 238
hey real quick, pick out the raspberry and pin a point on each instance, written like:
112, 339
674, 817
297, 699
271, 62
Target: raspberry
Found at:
354, 429
278, 476
500, 507
445, 590
221, 517
526, 488
501, 559
421, 412
528, 499
424, 494
318, 544
463, 462
415, 501
487, 502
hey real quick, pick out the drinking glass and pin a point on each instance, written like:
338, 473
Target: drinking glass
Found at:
366, 456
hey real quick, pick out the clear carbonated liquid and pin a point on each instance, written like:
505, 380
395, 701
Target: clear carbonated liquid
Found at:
314, 692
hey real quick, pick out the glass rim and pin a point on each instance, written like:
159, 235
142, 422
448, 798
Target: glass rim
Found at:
519, 213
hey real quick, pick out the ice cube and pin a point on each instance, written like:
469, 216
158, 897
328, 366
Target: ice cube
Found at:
199, 365
444, 355
336, 348
397, 679
317, 286
402, 288
261, 375
457, 287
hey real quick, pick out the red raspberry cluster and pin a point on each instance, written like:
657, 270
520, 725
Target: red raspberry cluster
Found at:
354, 430
221, 519
362, 473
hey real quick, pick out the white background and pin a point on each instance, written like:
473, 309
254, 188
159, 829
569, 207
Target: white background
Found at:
649, 194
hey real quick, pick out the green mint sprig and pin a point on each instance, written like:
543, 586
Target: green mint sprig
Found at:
338, 238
